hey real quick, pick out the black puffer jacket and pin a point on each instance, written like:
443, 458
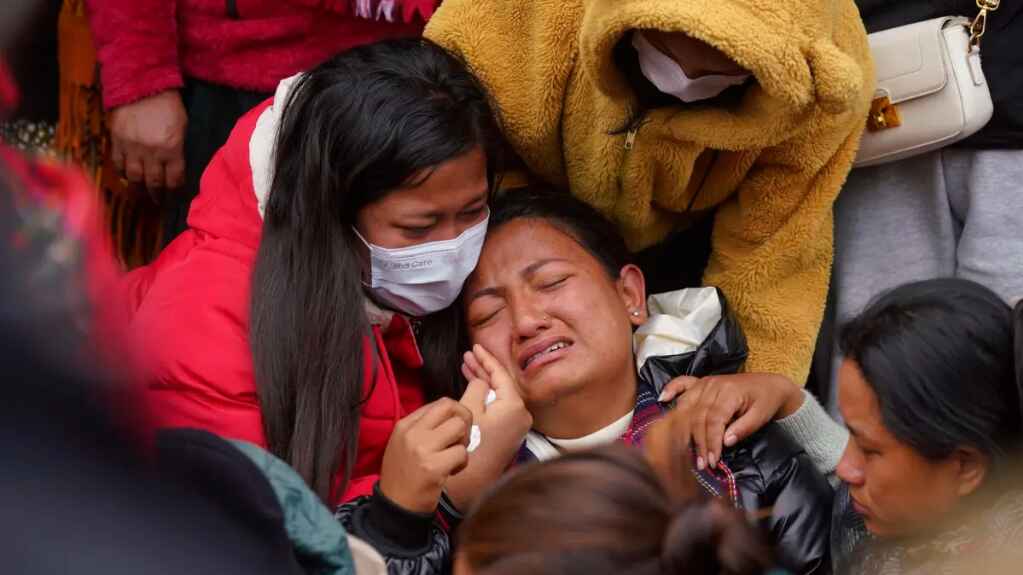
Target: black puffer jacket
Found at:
411, 543
772, 473
1001, 52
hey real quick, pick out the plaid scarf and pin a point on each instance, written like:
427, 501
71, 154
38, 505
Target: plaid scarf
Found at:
717, 482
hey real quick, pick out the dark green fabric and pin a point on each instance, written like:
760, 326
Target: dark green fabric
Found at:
319, 540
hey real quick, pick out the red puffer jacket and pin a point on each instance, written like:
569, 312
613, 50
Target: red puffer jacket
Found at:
190, 317
148, 46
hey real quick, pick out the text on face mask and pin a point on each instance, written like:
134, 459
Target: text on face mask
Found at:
404, 266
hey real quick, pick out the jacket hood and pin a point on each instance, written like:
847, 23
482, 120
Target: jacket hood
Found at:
788, 46
236, 184
690, 332
263, 141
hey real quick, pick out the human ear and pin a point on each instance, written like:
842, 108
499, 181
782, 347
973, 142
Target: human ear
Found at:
972, 469
632, 289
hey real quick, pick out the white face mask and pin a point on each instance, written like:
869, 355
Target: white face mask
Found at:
669, 77
424, 278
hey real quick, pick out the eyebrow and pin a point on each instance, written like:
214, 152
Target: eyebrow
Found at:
534, 267
527, 271
480, 198
856, 433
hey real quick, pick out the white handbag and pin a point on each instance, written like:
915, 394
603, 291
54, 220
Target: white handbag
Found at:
931, 91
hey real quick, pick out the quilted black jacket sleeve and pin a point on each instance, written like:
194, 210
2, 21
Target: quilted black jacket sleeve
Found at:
411, 543
776, 478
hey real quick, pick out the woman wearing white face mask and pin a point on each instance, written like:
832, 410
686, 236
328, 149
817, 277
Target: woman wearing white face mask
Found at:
352, 206
664, 114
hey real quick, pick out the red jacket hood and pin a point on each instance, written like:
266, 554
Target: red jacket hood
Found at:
190, 315
226, 206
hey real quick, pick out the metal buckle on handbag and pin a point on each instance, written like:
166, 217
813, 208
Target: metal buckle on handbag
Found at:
883, 115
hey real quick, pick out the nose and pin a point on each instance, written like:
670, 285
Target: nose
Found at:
850, 467
528, 317
448, 231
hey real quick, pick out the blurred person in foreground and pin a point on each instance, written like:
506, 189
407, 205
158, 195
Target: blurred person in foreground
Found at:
81, 494
609, 510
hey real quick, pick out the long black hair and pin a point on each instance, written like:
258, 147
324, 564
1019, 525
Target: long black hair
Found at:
355, 128
943, 357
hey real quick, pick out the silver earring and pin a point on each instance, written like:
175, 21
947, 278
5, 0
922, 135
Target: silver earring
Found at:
635, 313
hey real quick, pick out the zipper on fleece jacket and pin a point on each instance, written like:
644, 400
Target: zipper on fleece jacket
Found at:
630, 141
231, 7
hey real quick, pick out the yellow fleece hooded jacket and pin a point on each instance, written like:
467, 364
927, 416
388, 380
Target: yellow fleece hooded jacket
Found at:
772, 163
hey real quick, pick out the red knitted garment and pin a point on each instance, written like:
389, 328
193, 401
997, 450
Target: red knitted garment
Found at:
148, 46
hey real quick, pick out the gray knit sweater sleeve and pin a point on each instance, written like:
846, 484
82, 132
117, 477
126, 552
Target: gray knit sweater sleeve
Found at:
823, 438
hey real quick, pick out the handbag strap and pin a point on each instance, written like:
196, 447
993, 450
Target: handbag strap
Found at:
979, 24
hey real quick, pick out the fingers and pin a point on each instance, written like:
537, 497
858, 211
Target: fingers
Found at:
699, 424
500, 379
176, 171
475, 396
413, 418
667, 449
453, 431
117, 154
747, 424
677, 387
442, 410
465, 415
474, 366
718, 417
155, 174
452, 460
488, 362
740, 429
467, 373
134, 170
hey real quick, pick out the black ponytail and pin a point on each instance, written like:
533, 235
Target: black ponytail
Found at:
707, 537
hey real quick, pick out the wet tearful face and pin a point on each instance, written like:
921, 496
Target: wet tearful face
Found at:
548, 310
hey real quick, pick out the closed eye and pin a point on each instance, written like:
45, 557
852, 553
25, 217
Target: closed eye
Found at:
473, 213
415, 231
478, 322
554, 284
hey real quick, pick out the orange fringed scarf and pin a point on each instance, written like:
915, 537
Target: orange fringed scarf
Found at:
132, 218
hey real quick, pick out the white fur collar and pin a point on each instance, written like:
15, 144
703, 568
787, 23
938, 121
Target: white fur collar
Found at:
263, 140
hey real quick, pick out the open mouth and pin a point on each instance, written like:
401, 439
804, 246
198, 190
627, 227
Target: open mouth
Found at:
536, 356
859, 508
